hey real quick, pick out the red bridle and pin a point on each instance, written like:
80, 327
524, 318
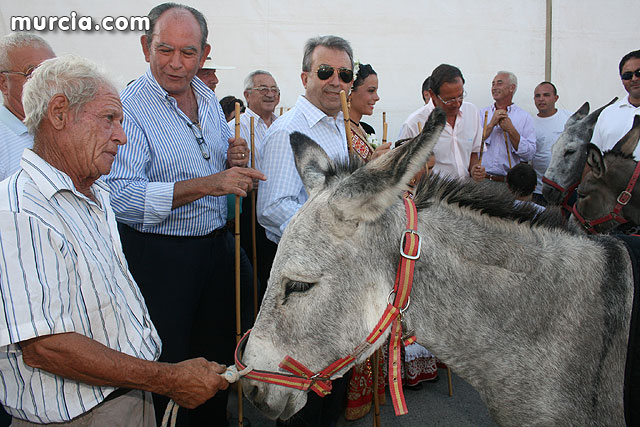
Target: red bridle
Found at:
568, 192
614, 215
302, 378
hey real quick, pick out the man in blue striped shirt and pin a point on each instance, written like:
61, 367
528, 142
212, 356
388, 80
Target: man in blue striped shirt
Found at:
169, 185
20, 54
327, 68
77, 343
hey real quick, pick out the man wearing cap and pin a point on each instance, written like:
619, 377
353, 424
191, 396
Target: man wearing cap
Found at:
617, 118
208, 73
169, 185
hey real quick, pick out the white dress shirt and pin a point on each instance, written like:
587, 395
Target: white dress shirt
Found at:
548, 130
614, 122
259, 129
14, 138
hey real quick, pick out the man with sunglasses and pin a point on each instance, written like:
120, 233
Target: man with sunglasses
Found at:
20, 54
617, 119
327, 68
169, 185
510, 136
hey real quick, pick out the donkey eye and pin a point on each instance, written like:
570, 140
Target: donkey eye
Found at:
569, 152
295, 286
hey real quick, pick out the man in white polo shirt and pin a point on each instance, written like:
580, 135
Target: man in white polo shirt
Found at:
617, 119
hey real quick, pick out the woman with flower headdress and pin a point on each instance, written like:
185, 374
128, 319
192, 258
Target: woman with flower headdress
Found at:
362, 99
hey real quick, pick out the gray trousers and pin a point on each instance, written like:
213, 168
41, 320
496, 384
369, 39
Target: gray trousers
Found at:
133, 409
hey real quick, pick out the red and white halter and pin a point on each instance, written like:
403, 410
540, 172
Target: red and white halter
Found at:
568, 192
614, 215
302, 378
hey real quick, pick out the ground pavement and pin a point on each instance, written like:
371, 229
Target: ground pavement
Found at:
430, 406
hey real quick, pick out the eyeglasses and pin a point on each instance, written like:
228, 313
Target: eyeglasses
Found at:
325, 72
264, 90
26, 74
629, 74
452, 100
197, 132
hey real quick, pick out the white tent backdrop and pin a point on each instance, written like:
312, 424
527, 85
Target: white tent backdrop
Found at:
403, 40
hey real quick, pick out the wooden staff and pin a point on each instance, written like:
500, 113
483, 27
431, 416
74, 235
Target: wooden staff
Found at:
384, 133
254, 250
506, 143
345, 112
376, 398
384, 117
281, 110
484, 131
419, 127
237, 236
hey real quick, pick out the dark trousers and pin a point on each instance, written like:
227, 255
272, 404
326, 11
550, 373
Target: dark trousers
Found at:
187, 284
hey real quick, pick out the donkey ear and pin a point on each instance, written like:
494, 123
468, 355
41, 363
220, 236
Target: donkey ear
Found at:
593, 117
370, 190
629, 141
596, 161
312, 162
578, 115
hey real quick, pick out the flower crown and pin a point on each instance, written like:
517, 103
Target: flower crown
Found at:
356, 69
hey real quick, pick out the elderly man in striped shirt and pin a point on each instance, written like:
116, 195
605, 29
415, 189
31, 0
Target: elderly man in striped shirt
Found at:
78, 345
169, 187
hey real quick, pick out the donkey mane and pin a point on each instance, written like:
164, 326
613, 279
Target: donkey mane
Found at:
618, 154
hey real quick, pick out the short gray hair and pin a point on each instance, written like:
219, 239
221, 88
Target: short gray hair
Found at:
330, 42
512, 79
248, 81
15, 40
77, 78
156, 12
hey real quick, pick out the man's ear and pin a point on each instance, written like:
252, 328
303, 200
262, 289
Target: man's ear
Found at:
4, 88
304, 76
145, 48
205, 53
58, 111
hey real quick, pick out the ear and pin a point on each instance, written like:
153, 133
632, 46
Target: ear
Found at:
4, 88
58, 111
593, 117
370, 190
629, 141
304, 76
578, 115
312, 162
596, 161
146, 49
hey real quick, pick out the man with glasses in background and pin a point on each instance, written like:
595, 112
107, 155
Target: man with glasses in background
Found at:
510, 136
456, 152
327, 68
617, 119
20, 54
169, 185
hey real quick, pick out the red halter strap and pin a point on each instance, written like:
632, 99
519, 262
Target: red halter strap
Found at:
568, 192
302, 378
614, 215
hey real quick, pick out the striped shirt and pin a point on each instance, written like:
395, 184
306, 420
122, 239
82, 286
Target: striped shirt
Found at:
282, 194
162, 148
259, 128
62, 270
14, 138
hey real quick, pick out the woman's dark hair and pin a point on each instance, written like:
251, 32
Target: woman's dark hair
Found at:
364, 71
228, 104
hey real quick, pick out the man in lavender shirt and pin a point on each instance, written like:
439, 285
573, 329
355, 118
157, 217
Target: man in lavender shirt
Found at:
506, 118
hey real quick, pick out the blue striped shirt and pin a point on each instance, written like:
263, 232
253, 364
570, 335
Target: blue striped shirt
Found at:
260, 129
161, 150
14, 138
62, 270
282, 194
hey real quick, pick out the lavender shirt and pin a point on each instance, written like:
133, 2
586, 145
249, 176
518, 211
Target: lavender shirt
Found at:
495, 159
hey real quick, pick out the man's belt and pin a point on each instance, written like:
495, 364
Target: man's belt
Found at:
497, 178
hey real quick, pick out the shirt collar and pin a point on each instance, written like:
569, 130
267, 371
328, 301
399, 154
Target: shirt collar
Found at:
250, 113
509, 107
50, 180
625, 103
312, 113
12, 122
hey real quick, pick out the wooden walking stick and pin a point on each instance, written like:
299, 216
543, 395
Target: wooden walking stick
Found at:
484, 131
237, 236
345, 112
254, 250
506, 143
281, 110
384, 127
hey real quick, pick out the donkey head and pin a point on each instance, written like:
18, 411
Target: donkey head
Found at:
603, 186
569, 153
331, 275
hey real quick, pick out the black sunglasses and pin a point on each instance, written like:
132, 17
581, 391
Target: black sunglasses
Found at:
624, 76
326, 71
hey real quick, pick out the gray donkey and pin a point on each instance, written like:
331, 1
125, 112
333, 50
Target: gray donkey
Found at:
602, 187
535, 318
569, 154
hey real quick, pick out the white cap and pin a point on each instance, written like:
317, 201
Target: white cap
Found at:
208, 63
